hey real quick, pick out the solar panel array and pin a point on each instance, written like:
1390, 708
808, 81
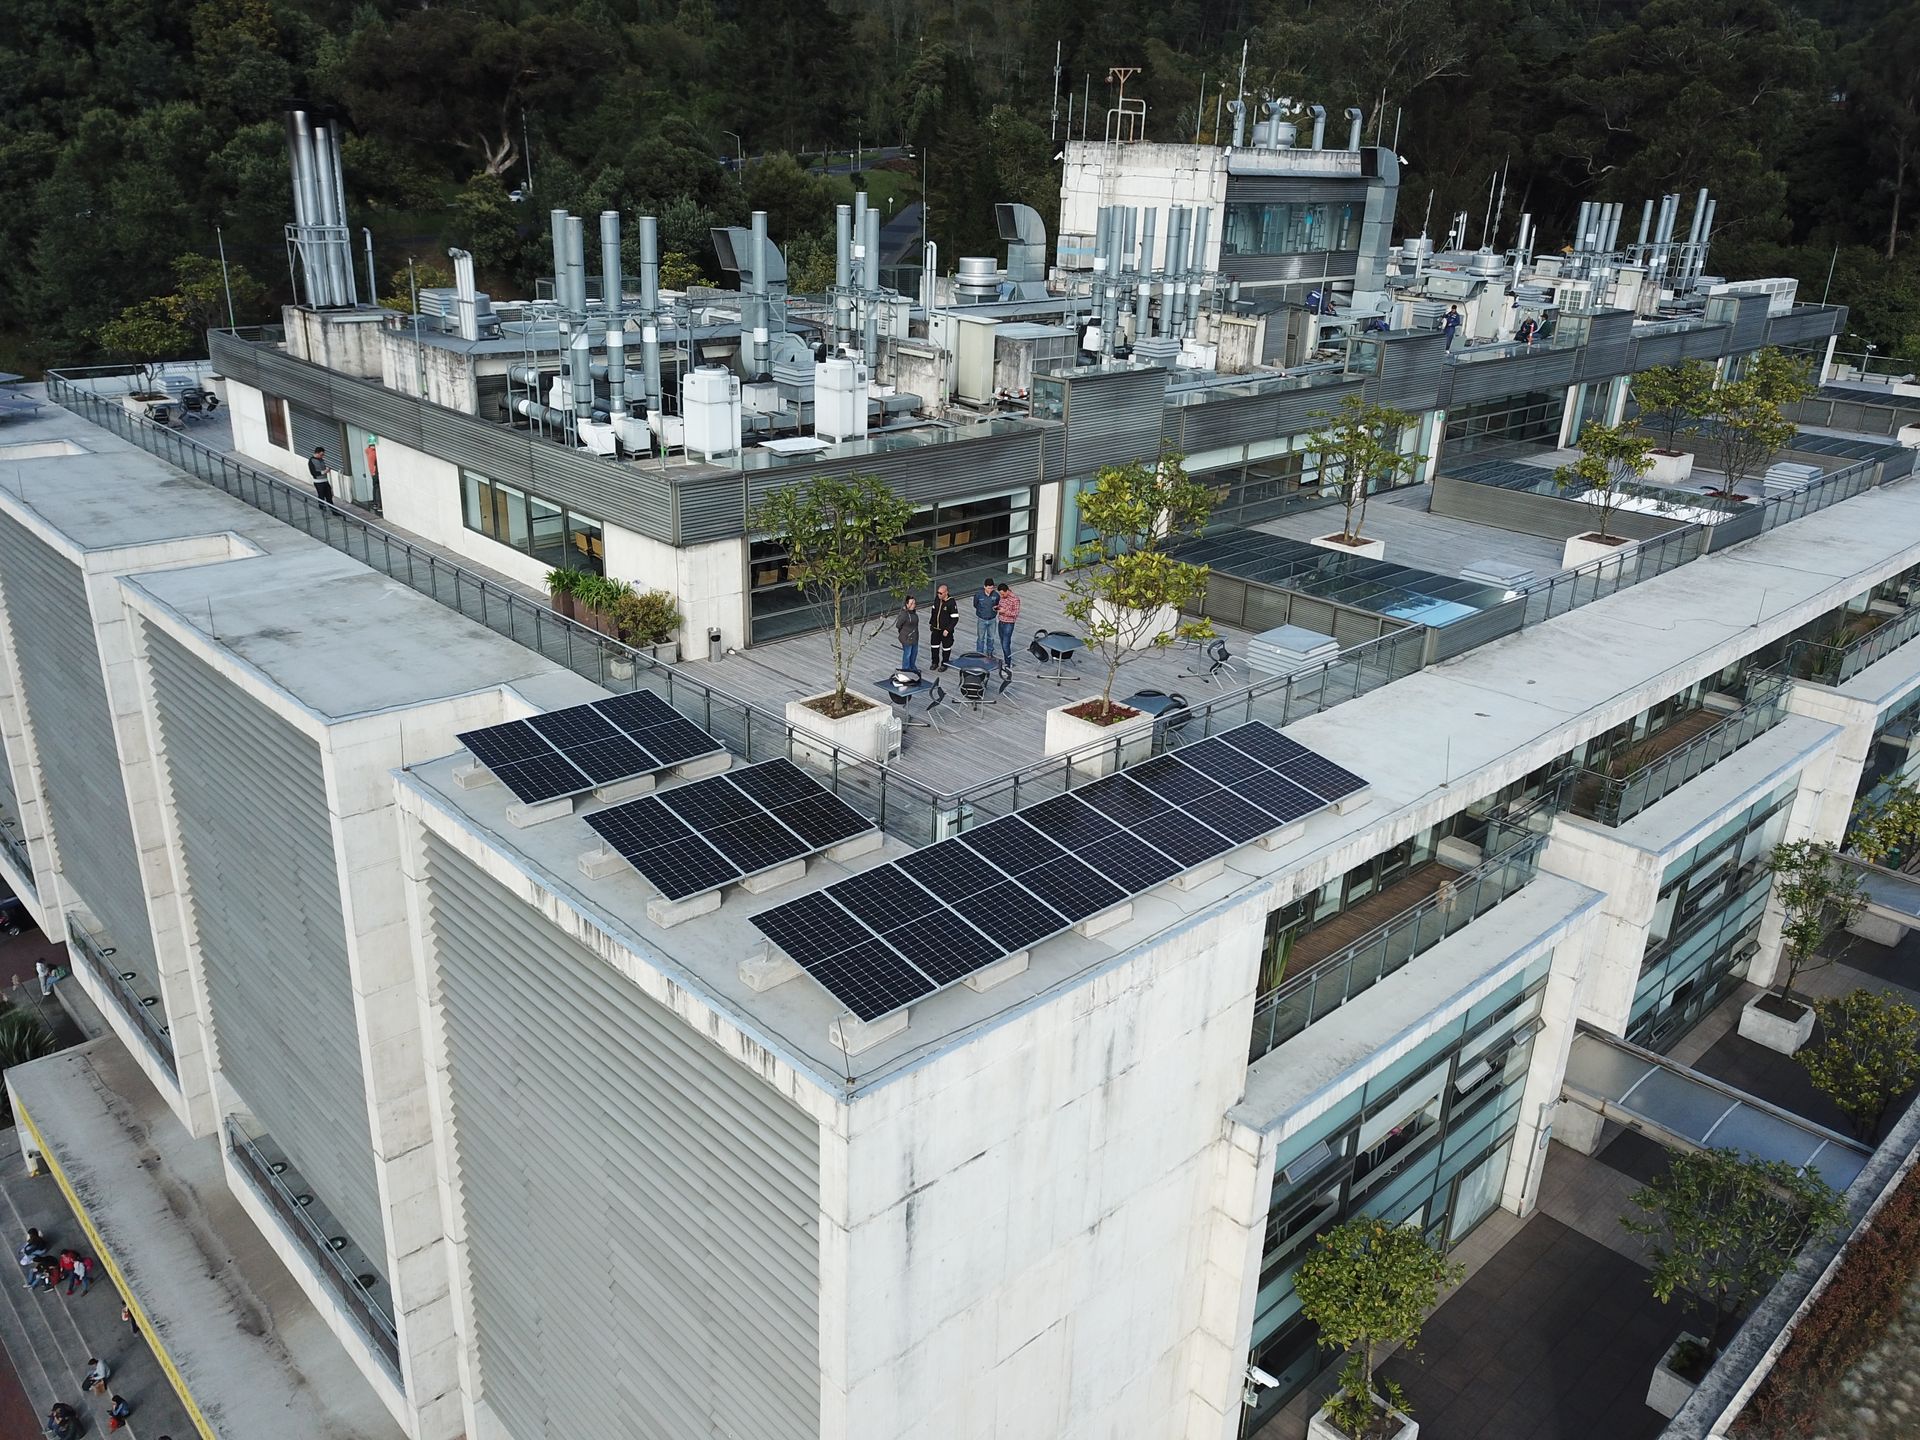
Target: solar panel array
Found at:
568, 752
698, 837
895, 934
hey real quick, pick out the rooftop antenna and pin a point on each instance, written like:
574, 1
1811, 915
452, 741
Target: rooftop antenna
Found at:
1199, 108
227, 285
1396, 128
526, 150
1240, 94
1053, 132
1086, 105
1486, 222
1500, 205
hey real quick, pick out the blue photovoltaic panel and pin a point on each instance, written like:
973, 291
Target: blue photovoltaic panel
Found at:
583, 747
713, 832
776, 782
899, 932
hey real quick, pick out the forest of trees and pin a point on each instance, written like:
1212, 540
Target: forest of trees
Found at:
131, 129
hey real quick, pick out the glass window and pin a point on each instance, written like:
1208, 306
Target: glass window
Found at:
586, 548
1290, 228
558, 538
549, 534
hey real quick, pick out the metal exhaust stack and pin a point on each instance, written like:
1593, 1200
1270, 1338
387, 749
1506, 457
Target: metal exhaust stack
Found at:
1319, 113
843, 270
1143, 290
577, 267
469, 300
1202, 223
871, 346
1355, 119
1238, 109
650, 310
611, 285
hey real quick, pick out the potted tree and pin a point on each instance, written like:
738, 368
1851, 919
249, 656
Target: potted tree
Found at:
1670, 397
1748, 417
1369, 1284
1724, 1228
1126, 593
1614, 459
647, 620
1360, 450
845, 539
1817, 894
147, 334
562, 586
1868, 1055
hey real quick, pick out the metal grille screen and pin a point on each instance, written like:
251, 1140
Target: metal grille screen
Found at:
641, 1214
264, 881
66, 698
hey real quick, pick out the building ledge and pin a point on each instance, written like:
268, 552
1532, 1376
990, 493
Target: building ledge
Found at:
243, 1347
1292, 1084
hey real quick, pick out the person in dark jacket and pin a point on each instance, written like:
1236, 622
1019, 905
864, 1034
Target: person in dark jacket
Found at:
943, 623
907, 624
986, 611
321, 474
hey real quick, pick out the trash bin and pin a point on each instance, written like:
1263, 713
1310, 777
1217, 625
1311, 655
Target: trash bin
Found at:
713, 642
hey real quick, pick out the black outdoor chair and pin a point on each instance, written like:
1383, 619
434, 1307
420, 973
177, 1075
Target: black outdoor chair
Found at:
1218, 661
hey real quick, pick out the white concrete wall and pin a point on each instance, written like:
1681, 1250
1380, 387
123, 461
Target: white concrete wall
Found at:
41, 892
247, 414
1150, 176
429, 372
710, 581
1013, 1234
346, 341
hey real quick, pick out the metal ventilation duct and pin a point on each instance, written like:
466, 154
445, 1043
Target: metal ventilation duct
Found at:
319, 234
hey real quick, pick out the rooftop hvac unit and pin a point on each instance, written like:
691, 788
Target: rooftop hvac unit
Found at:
840, 399
710, 401
1779, 292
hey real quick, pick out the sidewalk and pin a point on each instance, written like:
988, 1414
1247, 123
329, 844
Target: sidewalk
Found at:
226, 1318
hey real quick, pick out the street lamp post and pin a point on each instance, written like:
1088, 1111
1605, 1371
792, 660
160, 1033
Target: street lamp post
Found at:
740, 148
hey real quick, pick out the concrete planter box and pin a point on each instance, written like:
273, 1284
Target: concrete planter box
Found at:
1321, 1428
136, 404
1776, 1032
1669, 1390
1370, 549
1125, 743
1669, 468
1588, 547
865, 733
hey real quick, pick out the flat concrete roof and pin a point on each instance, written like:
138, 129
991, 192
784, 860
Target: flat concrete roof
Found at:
252, 1351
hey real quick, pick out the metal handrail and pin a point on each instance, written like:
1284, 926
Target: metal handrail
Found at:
1621, 797
17, 849
1457, 905
374, 1321
149, 1026
1837, 664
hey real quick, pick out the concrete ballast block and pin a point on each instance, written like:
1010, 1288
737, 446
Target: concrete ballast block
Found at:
625, 789
771, 879
667, 913
599, 864
1106, 919
854, 1035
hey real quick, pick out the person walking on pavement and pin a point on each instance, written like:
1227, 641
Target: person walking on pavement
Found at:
943, 623
126, 1315
986, 605
321, 474
1007, 612
907, 625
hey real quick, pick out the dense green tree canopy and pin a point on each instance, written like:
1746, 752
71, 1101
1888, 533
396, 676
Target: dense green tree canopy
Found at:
131, 129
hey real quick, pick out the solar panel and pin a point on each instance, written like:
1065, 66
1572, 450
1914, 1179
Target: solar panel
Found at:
822, 820
1265, 744
869, 978
713, 832
1012, 845
499, 745
950, 871
544, 777
564, 752
1320, 775
776, 782
899, 932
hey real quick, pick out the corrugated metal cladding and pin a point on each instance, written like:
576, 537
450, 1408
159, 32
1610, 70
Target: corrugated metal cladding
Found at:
233, 357
264, 881
1750, 326
1609, 346
641, 1213
709, 509
1707, 344
1266, 269
1113, 418
66, 699
1413, 372
1815, 322
1518, 374
1651, 350
939, 472
310, 430
1254, 189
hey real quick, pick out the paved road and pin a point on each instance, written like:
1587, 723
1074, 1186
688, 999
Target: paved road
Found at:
17, 1415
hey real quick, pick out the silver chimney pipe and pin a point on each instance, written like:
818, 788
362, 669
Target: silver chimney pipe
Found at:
1128, 237
754, 349
1238, 109
468, 307
611, 286
580, 371
320, 158
1143, 290
1274, 107
1614, 212
1706, 239
1176, 290
1202, 223
1521, 237
1354, 121
871, 346
299, 157
861, 277
577, 266
558, 220
650, 309
1319, 113
347, 292
1689, 265
373, 285
842, 246
1646, 225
